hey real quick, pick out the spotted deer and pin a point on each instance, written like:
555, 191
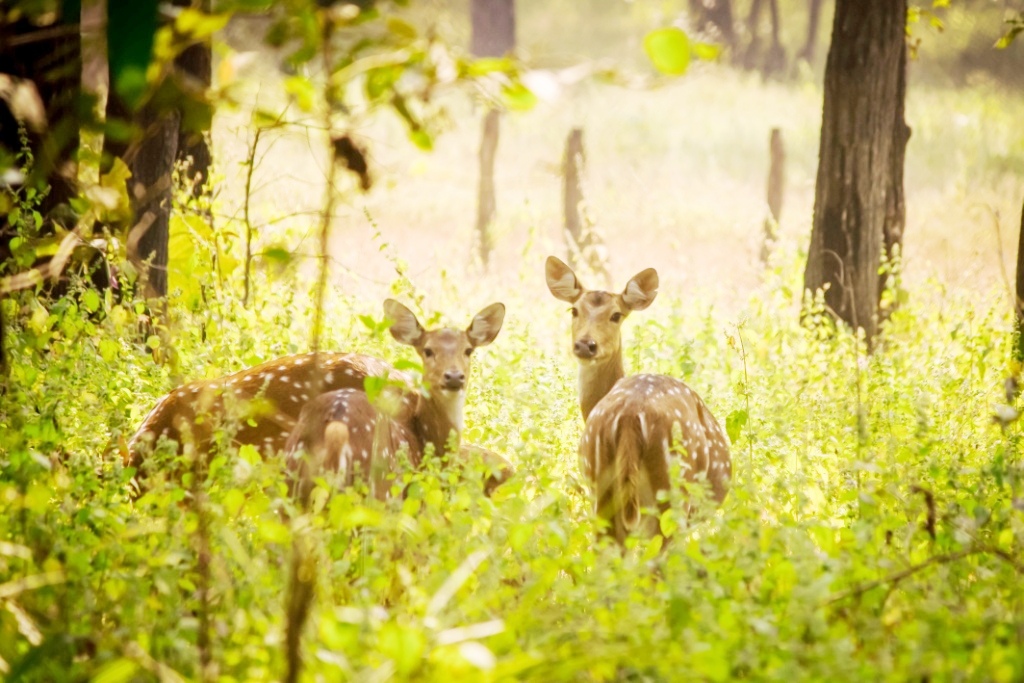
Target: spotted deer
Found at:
633, 423
344, 432
261, 404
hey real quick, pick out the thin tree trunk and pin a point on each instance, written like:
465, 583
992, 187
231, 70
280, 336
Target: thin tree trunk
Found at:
151, 167
775, 60
485, 198
714, 17
493, 27
583, 243
859, 192
493, 35
753, 52
775, 191
572, 194
193, 148
1019, 299
810, 48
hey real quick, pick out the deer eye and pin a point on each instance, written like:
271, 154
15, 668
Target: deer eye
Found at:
575, 312
616, 317
428, 353
469, 350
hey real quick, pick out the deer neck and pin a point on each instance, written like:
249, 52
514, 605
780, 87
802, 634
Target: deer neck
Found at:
597, 379
438, 415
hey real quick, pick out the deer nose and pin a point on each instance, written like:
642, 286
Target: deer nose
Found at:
454, 379
585, 348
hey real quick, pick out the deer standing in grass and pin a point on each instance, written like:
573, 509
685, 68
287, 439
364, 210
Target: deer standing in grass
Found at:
627, 446
261, 403
343, 432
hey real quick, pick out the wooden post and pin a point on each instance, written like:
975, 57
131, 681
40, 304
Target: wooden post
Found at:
776, 190
584, 246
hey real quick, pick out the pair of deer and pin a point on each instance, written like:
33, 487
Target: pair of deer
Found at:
635, 426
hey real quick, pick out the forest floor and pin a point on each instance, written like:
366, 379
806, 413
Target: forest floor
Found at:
675, 179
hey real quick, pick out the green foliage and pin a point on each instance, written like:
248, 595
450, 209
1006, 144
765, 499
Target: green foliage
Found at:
669, 50
1015, 26
873, 531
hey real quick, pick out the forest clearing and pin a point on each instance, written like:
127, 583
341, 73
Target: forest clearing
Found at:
395, 359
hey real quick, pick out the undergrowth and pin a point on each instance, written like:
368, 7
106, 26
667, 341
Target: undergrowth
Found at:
873, 532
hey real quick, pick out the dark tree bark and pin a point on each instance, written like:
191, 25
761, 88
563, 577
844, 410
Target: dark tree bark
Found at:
810, 48
51, 57
151, 159
1019, 302
193, 148
859, 189
713, 17
493, 35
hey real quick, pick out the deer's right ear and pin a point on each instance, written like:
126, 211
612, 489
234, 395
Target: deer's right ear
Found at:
405, 328
641, 290
562, 281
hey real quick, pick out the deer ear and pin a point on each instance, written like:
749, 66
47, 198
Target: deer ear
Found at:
486, 325
405, 328
562, 281
641, 290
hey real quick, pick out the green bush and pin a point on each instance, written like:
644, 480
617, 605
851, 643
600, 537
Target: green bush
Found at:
873, 532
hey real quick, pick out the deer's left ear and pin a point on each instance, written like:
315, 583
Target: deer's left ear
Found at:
405, 328
641, 290
562, 282
486, 325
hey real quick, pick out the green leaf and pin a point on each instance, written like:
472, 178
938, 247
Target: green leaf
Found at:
669, 50
91, 300
278, 254
734, 424
117, 671
707, 52
401, 28
517, 97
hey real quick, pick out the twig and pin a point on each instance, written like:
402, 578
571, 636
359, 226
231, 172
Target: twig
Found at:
251, 161
945, 558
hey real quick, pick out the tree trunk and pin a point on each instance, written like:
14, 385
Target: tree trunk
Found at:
775, 191
752, 54
584, 245
572, 194
493, 27
51, 57
1019, 302
859, 189
775, 60
485, 197
193, 148
713, 17
493, 35
810, 48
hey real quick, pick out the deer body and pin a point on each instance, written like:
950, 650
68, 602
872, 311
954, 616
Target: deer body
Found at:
635, 426
343, 432
263, 402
